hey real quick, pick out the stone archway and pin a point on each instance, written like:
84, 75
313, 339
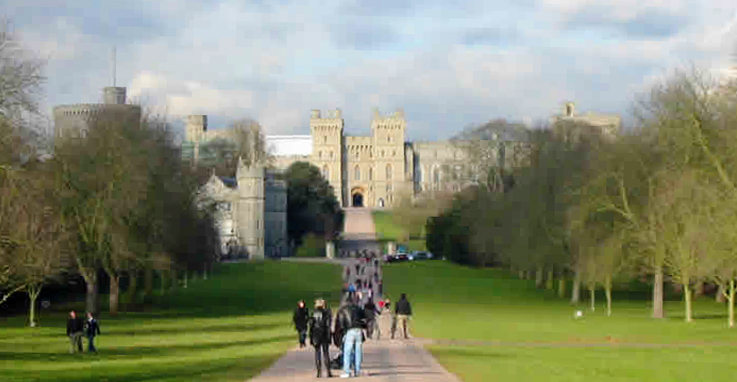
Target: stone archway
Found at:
357, 200
357, 197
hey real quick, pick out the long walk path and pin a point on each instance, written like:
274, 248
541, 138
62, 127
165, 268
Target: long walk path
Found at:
384, 360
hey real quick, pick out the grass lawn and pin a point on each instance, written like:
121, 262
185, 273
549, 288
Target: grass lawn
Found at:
387, 230
520, 333
227, 328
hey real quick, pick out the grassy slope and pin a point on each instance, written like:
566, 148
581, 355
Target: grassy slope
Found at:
227, 328
533, 337
386, 229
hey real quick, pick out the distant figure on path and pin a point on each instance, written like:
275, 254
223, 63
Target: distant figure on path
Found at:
351, 291
92, 329
300, 322
402, 311
353, 319
75, 331
320, 336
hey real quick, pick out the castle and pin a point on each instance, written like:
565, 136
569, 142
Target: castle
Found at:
377, 169
75, 119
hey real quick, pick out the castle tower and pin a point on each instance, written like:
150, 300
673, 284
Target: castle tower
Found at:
251, 207
388, 134
327, 148
195, 131
113, 95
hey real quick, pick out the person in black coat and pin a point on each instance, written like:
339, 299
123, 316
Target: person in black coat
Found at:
92, 329
75, 331
320, 336
300, 322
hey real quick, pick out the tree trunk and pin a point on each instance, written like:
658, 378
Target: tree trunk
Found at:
592, 298
658, 293
186, 276
521, 275
608, 292
687, 298
698, 290
550, 282
114, 294
148, 283
562, 287
164, 282
576, 292
721, 291
730, 309
539, 277
130, 296
92, 299
174, 275
204, 273
33, 292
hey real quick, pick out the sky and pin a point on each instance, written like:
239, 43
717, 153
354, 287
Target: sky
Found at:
447, 64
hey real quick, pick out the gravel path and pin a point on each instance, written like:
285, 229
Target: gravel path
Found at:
384, 359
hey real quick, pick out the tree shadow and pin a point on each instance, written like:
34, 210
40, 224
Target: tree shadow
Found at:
135, 351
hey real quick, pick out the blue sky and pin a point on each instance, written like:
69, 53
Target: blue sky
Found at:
447, 64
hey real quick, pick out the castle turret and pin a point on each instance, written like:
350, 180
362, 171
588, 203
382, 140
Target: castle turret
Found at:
251, 207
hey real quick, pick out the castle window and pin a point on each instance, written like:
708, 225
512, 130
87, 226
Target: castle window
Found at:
357, 173
388, 172
388, 189
358, 154
326, 172
394, 153
371, 173
331, 155
382, 153
319, 154
436, 175
324, 139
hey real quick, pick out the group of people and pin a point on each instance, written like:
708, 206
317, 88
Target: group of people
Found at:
354, 322
77, 327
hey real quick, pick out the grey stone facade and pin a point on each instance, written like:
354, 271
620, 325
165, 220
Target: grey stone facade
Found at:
251, 212
75, 119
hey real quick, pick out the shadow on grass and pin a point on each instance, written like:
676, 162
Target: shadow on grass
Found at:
236, 368
136, 351
452, 351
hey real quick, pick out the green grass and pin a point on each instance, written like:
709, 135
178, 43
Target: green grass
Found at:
388, 230
528, 334
227, 328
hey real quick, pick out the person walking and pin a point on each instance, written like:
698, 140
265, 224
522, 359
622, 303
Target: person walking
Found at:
372, 323
402, 311
92, 329
300, 322
320, 336
353, 319
75, 331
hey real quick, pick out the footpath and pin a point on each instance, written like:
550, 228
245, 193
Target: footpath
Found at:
384, 359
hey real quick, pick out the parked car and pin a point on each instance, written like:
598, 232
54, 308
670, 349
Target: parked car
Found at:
396, 258
420, 255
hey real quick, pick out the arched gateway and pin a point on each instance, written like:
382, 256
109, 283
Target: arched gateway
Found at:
357, 199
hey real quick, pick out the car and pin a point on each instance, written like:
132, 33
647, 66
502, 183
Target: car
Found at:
396, 258
421, 255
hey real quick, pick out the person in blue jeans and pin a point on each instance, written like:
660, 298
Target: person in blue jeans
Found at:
353, 318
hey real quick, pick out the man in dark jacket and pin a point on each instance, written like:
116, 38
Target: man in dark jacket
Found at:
75, 331
402, 311
352, 318
371, 322
92, 329
320, 336
300, 322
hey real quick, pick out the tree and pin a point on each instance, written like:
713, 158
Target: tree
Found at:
244, 139
311, 204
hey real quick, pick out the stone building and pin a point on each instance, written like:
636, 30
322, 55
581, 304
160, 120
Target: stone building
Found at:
605, 124
376, 169
75, 119
250, 212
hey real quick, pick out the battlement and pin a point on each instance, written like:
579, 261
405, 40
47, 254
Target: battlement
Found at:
336, 114
397, 115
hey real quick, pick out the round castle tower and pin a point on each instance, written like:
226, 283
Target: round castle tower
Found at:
76, 118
